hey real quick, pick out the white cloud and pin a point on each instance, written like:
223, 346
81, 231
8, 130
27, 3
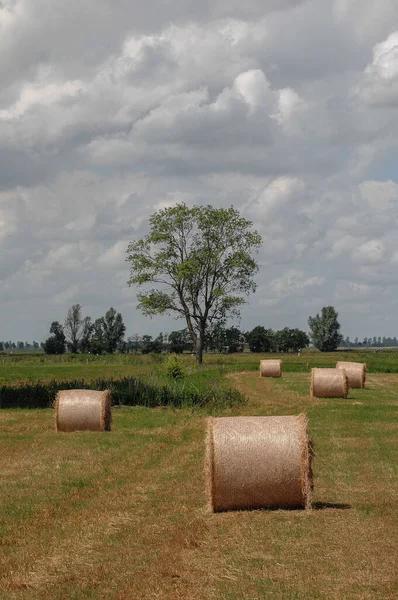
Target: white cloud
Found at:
381, 195
370, 252
224, 103
113, 257
380, 82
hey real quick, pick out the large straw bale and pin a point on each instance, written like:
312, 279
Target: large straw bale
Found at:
329, 383
271, 368
83, 410
355, 371
258, 462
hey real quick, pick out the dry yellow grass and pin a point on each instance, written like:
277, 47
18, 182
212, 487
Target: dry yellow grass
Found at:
123, 515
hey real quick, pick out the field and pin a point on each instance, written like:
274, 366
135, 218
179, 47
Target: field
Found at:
123, 515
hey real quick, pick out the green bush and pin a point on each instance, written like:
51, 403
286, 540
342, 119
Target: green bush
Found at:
173, 367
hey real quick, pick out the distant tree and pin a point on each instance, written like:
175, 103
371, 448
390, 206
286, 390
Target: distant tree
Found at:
180, 341
134, 342
1, 346
73, 327
35, 345
325, 330
287, 340
97, 341
200, 262
20, 345
151, 345
55, 344
114, 329
260, 339
229, 339
86, 334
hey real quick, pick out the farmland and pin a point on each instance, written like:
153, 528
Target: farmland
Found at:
123, 515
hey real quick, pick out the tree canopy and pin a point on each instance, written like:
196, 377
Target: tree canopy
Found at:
200, 261
325, 330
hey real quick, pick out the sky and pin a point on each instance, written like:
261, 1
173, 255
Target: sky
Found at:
285, 109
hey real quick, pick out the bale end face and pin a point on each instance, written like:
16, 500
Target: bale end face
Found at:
258, 462
329, 383
356, 373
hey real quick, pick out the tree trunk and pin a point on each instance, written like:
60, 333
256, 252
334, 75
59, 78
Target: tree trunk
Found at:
199, 350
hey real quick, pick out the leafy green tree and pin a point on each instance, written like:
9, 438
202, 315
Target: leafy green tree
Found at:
86, 335
287, 340
200, 261
55, 344
97, 342
114, 329
260, 339
180, 341
325, 330
151, 345
73, 327
228, 339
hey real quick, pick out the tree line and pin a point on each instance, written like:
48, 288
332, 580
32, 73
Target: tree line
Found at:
106, 335
222, 339
82, 334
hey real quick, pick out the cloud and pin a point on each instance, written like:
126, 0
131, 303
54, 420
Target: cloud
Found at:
370, 252
380, 82
215, 103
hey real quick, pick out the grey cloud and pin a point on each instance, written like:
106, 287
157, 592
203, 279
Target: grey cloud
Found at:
286, 114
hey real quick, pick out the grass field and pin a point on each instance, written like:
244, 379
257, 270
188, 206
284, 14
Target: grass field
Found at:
123, 515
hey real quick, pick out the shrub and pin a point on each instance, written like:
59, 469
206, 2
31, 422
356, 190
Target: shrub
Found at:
173, 367
127, 391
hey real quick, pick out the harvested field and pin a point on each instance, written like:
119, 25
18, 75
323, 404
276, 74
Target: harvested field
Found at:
124, 515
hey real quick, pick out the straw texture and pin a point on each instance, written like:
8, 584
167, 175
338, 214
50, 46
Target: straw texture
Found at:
258, 462
271, 368
83, 410
329, 383
355, 371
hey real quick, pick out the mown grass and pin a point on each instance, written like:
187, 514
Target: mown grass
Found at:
123, 515
39, 367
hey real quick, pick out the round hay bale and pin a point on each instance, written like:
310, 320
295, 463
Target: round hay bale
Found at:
258, 462
355, 371
83, 410
271, 368
329, 383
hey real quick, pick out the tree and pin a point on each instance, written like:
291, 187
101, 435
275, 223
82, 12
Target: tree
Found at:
151, 345
73, 327
325, 330
180, 341
260, 339
86, 335
226, 339
97, 342
134, 342
55, 344
200, 261
113, 328
287, 339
